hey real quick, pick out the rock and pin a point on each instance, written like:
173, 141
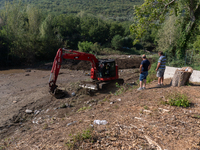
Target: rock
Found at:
119, 99
113, 139
71, 123
37, 120
14, 101
36, 112
28, 111
147, 111
28, 70
73, 94
163, 110
67, 105
107, 144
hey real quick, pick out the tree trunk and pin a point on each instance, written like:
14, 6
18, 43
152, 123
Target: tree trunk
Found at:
181, 76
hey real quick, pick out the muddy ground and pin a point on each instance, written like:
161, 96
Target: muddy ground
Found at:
136, 119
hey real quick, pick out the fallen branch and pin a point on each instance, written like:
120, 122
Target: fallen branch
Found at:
152, 142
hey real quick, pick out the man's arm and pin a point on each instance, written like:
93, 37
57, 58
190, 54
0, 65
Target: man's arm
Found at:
158, 66
141, 68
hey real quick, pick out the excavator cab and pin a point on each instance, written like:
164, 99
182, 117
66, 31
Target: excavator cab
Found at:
106, 69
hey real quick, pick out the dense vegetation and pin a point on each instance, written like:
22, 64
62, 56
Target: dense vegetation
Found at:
28, 35
177, 26
32, 31
115, 9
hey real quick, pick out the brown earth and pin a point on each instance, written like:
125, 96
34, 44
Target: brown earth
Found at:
136, 119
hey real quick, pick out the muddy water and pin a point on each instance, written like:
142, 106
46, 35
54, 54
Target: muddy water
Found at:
10, 71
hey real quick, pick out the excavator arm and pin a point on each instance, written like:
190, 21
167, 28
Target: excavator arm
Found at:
70, 54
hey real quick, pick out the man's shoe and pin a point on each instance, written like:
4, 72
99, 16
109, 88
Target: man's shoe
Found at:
139, 89
158, 85
143, 88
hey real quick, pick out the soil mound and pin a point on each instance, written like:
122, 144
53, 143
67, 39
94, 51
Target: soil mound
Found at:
123, 63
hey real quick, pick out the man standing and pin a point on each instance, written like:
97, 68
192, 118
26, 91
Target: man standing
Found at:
161, 68
144, 68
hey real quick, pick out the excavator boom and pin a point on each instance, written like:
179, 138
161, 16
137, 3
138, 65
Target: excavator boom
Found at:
102, 71
70, 54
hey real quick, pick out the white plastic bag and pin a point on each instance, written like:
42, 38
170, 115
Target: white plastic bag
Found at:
100, 122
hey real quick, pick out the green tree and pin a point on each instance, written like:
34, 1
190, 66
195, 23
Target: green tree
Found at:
151, 14
117, 42
116, 29
85, 46
67, 29
168, 34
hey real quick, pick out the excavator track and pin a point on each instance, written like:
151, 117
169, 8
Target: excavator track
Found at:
99, 85
93, 85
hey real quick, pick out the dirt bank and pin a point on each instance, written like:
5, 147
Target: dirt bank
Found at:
136, 119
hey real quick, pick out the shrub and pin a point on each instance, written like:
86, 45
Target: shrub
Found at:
85, 46
117, 42
177, 99
80, 137
95, 48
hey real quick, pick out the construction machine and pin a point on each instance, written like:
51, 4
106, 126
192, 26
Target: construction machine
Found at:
102, 71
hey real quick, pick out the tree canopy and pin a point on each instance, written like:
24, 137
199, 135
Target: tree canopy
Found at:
153, 13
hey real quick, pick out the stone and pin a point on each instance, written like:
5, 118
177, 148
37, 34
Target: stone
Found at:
113, 139
73, 94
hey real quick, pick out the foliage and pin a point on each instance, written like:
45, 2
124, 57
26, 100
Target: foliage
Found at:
151, 14
80, 137
168, 34
85, 46
83, 108
96, 48
117, 42
116, 29
117, 85
118, 10
152, 72
177, 99
35, 36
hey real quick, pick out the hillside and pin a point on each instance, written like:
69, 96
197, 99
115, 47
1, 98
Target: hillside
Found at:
111, 8
136, 119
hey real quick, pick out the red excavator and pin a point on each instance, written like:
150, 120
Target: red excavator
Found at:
102, 71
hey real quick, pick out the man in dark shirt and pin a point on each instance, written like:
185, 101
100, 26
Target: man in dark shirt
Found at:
144, 68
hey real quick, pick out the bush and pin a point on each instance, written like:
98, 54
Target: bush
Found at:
95, 48
117, 42
85, 46
178, 99
79, 138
